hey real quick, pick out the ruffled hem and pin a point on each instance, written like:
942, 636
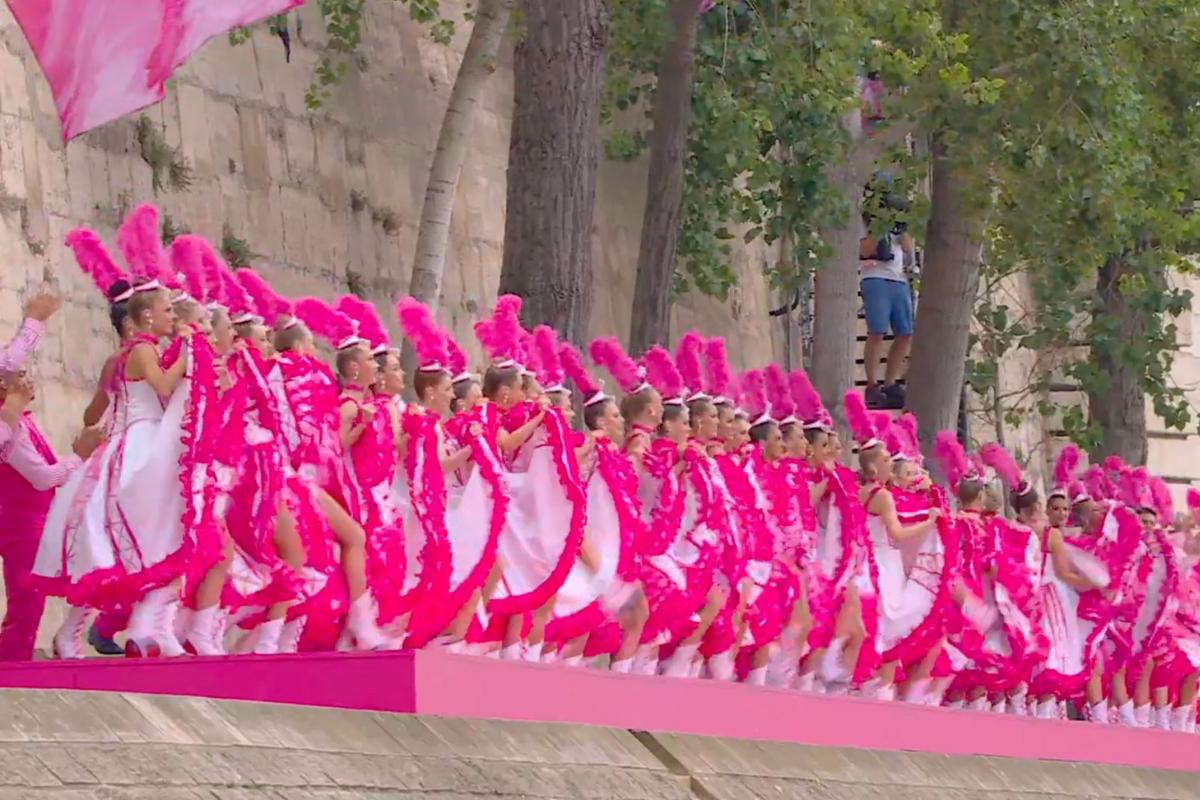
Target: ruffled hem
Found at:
115, 587
586, 620
572, 488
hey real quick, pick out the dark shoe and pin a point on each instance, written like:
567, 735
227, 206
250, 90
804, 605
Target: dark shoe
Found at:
105, 647
894, 396
874, 397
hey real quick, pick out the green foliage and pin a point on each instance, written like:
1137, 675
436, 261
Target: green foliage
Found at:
168, 167
236, 251
773, 82
356, 284
1091, 160
171, 229
343, 20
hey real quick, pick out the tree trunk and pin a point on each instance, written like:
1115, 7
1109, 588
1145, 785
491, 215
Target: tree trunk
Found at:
949, 287
478, 64
1119, 408
552, 160
835, 300
664, 193
835, 284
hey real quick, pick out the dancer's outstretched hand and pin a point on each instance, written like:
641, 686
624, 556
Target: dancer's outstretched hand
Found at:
43, 306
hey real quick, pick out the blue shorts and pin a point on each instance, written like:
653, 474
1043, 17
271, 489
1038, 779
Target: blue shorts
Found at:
887, 302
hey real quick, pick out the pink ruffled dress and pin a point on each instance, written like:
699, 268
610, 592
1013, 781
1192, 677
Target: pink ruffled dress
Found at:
371, 467
843, 557
911, 581
1002, 657
701, 539
662, 494
254, 451
453, 522
1179, 653
587, 600
316, 451
775, 496
140, 512
547, 513
327, 596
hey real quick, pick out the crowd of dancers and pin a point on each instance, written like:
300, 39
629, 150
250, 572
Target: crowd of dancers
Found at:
235, 493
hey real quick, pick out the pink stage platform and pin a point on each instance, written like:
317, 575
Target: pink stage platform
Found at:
462, 686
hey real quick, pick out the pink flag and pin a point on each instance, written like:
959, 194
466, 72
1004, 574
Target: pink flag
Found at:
104, 59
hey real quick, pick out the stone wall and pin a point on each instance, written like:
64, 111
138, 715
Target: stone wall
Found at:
71, 746
318, 195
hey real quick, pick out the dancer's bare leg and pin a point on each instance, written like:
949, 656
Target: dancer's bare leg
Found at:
352, 540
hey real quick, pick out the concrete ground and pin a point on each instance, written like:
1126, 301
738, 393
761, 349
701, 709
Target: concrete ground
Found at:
85, 745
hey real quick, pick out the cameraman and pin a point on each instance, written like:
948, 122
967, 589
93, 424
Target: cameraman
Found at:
887, 301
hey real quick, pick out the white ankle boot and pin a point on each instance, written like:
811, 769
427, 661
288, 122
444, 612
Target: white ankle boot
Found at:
645, 660
267, 642
152, 625
679, 665
68, 642
360, 623
289, 639
204, 632
721, 667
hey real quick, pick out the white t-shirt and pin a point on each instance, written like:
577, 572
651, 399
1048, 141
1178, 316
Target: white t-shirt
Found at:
892, 270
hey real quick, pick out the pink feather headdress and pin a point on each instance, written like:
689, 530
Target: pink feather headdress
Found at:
1067, 465
1096, 484
572, 364
187, 263
527, 356
862, 427
1113, 468
234, 297
783, 409
1193, 501
607, 352
1077, 492
999, 459
662, 374
754, 397
550, 371
1134, 489
506, 332
140, 244
953, 458
370, 327
688, 362
907, 437
456, 361
428, 340
322, 320
265, 301
96, 262
718, 378
808, 402
1163, 503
